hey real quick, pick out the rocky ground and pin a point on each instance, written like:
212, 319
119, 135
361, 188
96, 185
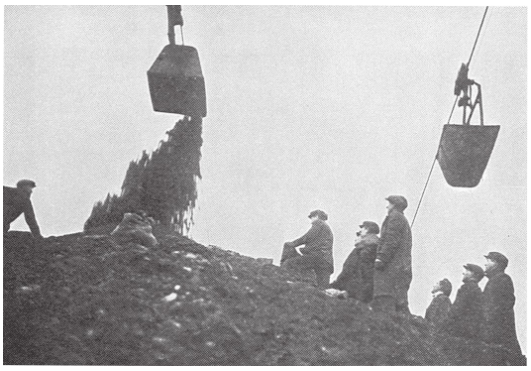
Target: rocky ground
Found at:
85, 300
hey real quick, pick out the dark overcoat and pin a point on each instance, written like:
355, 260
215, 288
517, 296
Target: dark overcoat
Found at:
437, 311
357, 275
15, 204
395, 252
498, 314
465, 317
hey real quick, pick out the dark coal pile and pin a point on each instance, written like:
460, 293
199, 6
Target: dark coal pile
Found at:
85, 300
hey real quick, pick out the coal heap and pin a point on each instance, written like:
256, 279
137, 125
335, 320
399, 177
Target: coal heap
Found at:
85, 300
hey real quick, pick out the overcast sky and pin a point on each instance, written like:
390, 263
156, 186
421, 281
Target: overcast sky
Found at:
308, 107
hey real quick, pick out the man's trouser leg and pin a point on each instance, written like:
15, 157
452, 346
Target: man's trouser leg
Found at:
384, 303
322, 278
323, 271
303, 265
288, 252
402, 305
403, 308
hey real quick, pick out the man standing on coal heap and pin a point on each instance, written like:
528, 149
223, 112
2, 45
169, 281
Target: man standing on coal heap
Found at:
17, 201
316, 255
393, 273
498, 306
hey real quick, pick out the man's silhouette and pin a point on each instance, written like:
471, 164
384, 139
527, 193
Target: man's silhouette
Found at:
17, 201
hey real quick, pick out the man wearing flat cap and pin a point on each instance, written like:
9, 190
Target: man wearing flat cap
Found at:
316, 255
498, 299
357, 275
465, 316
393, 273
17, 201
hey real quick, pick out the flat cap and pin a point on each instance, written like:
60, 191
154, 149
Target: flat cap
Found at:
399, 201
498, 257
26, 182
446, 286
476, 269
319, 213
371, 227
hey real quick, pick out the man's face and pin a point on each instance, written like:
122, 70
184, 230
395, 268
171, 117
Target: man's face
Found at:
313, 218
467, 274
389, 206
363, 232
489, 265
436, 288
27, 190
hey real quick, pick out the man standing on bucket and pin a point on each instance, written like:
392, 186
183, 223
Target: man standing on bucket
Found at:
393, 273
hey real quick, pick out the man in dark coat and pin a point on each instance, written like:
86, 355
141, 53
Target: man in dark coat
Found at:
17, 201
316, 254
393, 272
437, 311
498, 303
357, 275
465, 317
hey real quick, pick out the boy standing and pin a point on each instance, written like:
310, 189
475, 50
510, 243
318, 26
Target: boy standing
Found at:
437, 312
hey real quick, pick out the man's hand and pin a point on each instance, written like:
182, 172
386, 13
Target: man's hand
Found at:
378, 264
38, 237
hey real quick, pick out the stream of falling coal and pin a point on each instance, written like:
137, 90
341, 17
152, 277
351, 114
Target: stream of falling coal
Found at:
163, 184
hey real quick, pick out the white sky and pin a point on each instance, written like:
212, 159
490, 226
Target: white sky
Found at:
308, 107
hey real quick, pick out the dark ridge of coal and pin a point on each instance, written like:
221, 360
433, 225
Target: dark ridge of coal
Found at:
85, 300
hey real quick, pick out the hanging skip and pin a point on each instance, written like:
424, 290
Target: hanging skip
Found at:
464, 150
176, 82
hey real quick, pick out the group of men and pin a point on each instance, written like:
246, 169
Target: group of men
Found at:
378, 272
486, 315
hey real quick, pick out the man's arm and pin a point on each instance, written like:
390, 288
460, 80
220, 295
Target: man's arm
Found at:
458, 308
312, 233
29, 215
390, 242
503, 292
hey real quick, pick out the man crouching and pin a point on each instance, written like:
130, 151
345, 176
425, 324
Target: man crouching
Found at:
17, 201
137, 228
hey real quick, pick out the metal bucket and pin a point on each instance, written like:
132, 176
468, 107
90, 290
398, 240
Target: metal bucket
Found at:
464, 152
176, 83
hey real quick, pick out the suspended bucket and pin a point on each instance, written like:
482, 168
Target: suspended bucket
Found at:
176, 83
464, 152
